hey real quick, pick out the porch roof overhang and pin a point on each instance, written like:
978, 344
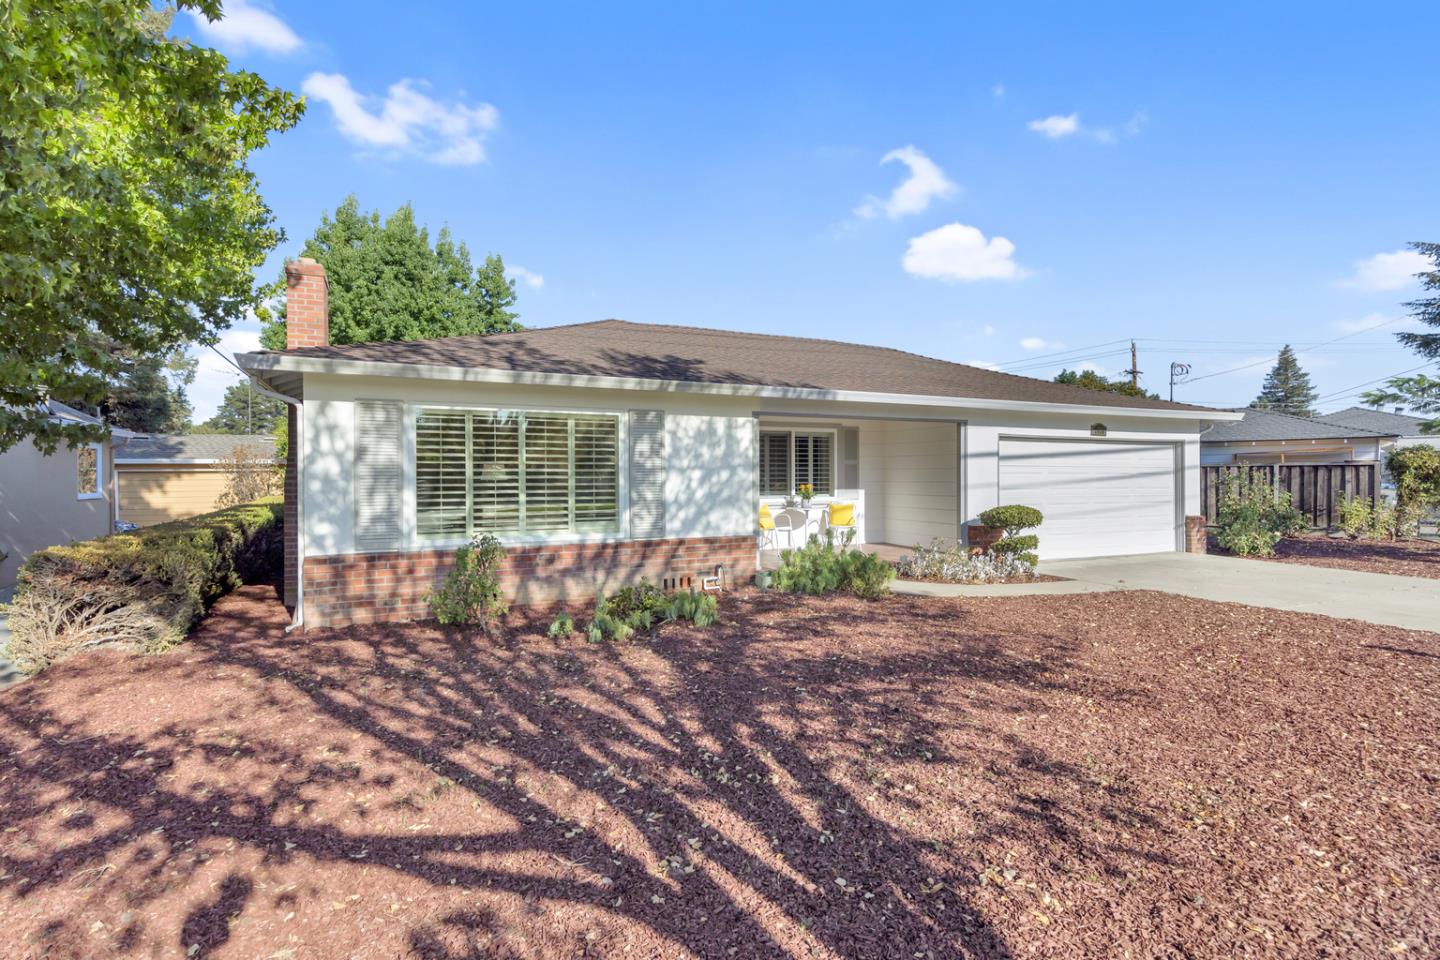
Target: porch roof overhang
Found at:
285, 373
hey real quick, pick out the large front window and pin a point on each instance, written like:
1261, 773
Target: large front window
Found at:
790, 458
513, 472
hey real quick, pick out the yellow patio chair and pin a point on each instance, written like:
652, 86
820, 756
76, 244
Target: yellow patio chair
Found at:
842, 515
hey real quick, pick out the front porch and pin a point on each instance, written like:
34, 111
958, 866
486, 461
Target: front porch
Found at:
899, 481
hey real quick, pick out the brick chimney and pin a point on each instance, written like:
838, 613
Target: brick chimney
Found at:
307, 305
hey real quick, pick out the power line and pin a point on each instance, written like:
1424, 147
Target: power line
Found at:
1247, 366
1349, 391
1062, 353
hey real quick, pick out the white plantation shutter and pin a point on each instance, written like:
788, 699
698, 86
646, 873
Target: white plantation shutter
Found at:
377, 474
508, 472
849, 457
597, 473
495, 471
647, 474
545, 460
775, 464
440, 474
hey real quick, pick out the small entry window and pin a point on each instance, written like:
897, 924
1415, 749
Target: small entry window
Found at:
87, 477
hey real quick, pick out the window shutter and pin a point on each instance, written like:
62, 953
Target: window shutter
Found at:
849, 458
647, 474
377, 474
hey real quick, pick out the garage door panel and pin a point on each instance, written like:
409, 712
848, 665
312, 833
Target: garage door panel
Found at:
1099, 498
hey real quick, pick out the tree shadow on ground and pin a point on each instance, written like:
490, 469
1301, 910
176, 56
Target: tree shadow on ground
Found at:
791, 782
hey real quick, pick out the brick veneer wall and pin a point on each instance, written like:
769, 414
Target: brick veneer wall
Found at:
1195, 535
366, 588
980, 538
307, 304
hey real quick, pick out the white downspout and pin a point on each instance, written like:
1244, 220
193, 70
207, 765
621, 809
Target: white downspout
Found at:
297, 619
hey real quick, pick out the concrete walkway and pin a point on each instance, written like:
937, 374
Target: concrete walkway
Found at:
1409, 602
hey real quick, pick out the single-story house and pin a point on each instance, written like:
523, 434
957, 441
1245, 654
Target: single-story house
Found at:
50, 500
1405, 428
602, 452
159, 478
1266, 436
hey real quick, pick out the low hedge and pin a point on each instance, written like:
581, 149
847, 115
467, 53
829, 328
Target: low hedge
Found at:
142, 590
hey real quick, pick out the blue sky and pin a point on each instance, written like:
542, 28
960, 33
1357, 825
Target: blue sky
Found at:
1022, 186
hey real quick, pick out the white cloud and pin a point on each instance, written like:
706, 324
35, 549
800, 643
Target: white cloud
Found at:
245, 27
528, 277
1056, 126
988, 330
213, 374
998, 91
1040, 343
982, 364
1388, 271
926, 182
408, 120
957, 253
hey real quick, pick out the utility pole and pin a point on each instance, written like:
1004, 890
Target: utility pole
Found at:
1177, 369
1134, 370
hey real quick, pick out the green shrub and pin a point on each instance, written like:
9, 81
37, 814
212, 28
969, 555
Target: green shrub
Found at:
1252, 516
1416, 472
821, 567
1360, 519
471, 591
142, 590
636, 609
562, 626
1012, 518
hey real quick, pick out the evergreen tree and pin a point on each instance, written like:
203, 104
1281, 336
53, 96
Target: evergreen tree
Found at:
387, 282
1287, 388
149, 395
245, 410
1420, 393
1091, 380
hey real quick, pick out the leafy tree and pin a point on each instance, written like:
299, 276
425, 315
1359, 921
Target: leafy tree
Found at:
1091, 380
387, 282
244, 410
149, 395
129, 222
1420, 394
1287, 388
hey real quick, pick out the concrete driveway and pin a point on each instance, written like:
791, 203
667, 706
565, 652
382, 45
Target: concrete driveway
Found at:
1409, 602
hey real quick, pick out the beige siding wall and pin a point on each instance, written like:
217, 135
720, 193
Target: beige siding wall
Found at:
910, 471
157, 494
39, 507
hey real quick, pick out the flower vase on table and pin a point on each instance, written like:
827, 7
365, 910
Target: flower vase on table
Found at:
807, 493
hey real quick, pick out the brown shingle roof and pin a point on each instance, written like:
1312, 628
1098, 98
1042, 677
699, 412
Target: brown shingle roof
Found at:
618, 348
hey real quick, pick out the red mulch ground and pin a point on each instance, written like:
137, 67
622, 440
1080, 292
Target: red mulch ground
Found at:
1406, 558
1119, 775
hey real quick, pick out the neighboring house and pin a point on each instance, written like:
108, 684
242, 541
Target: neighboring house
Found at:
1265, 436
1404, 427
160, 478
55, 499
603, 452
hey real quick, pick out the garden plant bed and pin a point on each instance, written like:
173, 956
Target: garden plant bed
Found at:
1406, 558
1027, 578
1128, 774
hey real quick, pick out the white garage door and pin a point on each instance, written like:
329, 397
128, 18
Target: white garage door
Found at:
1099, 498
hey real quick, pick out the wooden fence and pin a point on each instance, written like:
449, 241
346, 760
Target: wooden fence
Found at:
1317, 489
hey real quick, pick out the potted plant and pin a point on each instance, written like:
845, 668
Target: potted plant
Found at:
807, 493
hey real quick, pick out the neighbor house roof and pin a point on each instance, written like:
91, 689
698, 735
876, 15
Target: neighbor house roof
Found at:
190, 448
1396, 424
661, 352
1270, 425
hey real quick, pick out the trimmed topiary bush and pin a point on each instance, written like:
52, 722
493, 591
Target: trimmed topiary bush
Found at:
1012, 518
143, 589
